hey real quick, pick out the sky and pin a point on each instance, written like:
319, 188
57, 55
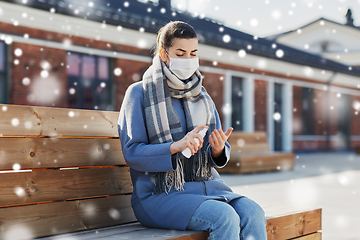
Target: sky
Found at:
263, 18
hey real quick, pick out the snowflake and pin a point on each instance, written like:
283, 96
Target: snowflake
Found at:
16, 166
242, 53
277, 116
117, 71
279, 53
26, 81
226, 38
8, 40
44, 74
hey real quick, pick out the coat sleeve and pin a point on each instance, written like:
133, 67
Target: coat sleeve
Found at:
138, 153
222, 160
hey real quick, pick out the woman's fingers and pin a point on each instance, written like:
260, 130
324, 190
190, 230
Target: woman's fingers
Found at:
228, 132
198, 128
215, 135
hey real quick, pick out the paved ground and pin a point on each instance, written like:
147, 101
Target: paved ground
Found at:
327, 180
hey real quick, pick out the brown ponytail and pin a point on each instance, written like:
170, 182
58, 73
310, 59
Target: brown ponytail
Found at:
175, 29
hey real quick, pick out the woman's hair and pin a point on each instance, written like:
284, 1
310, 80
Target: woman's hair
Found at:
175, 29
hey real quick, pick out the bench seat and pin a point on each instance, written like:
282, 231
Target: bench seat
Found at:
357, 150
302, 225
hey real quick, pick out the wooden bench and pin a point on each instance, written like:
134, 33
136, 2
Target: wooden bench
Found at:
357, 150
250, 153
62, 172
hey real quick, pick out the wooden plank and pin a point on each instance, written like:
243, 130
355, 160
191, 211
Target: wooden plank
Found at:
132, 231
247, 148
34, 221
32, 153
162, 234
313, 236
357, 150
56, 122
254, 137
294, 225
240, 163
248, 142
57, 185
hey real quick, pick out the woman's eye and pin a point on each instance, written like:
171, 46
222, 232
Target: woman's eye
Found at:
179, 55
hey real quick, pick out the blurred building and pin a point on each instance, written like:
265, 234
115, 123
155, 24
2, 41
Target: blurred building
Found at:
84, 54
329, 39
338, 42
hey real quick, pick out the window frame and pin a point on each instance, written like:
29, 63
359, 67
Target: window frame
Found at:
77, 82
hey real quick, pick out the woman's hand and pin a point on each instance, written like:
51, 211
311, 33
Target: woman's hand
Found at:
189, 141
217, 141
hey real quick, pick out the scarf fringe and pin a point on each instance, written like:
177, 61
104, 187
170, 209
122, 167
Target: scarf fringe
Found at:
197, 169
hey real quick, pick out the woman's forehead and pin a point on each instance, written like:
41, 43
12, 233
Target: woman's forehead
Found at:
185, 44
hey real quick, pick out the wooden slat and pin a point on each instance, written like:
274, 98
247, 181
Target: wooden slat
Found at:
294, 225
313, 236
55, 185
56, 122
357, 150
132, 231
32, 153
247, 148
254, 137
240, 163
54, 218
242, 142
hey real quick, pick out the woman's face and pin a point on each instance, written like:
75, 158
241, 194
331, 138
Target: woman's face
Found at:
181, 48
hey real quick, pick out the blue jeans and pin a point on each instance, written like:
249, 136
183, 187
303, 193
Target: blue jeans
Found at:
241, 218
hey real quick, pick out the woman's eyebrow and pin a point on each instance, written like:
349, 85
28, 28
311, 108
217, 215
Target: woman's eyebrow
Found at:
180, 49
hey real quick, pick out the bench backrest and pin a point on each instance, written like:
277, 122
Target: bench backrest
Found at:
72, 172
248, 142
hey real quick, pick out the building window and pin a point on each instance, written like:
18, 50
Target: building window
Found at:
90, 84
278, 119
307, 111
3, 73
237, 103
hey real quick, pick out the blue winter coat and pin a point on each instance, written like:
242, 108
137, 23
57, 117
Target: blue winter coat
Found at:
175, 209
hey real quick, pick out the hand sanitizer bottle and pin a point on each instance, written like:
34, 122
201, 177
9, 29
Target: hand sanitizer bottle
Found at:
186, 152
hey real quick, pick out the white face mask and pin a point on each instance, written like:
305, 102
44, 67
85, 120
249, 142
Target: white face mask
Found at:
183, 68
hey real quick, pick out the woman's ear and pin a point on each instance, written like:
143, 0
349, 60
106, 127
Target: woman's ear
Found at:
162, 55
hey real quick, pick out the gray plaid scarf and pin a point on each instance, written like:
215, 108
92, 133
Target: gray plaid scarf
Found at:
163, 123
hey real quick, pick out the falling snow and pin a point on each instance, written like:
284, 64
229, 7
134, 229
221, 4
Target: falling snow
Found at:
226, 38
277, 116
117, 71
279, 53
242, 53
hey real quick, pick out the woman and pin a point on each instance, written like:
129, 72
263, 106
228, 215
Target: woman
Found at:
159, 118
